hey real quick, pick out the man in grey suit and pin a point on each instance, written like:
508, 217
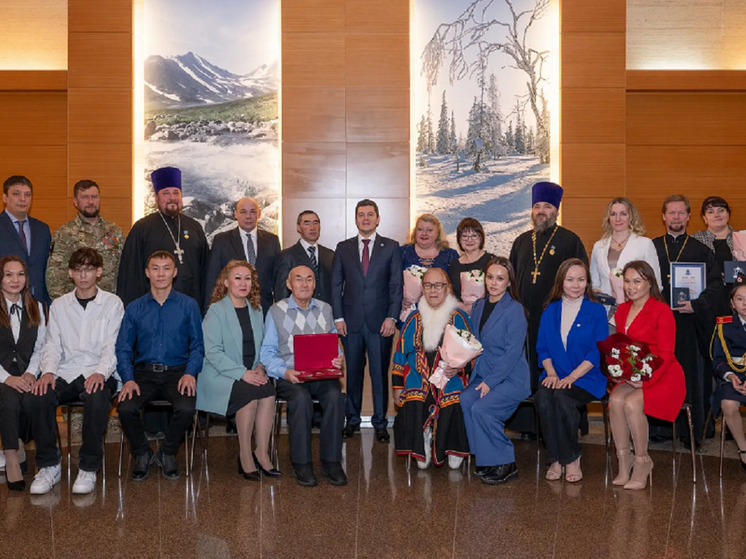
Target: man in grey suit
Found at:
246, 242
306, 252
366, 298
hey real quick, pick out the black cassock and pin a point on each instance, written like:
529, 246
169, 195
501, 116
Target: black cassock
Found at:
149, 235
563, 245
694, 357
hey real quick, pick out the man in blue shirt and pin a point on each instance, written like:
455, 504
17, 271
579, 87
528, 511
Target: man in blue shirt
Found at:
302, 314
159, 353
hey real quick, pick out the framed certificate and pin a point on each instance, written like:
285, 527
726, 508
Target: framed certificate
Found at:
733, 269
687, 281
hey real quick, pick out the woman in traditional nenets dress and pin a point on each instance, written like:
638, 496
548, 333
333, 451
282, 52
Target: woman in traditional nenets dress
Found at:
430, 424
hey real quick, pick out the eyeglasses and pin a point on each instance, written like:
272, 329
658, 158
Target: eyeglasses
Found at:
82, 270
436, 286
470, 236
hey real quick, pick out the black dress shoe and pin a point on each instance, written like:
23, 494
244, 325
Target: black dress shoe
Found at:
230, 426
274, 472
334, 472
304, 475
481, 470
19, 485
349, 430
528, 436
500, 474
142, 465
382, 436
168, 465
251, 476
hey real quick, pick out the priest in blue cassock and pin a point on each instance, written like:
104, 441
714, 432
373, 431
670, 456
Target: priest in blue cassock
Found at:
170, 230
536, 256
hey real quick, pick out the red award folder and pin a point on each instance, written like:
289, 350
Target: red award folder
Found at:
314, 354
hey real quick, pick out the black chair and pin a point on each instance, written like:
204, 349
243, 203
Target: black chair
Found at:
69, 407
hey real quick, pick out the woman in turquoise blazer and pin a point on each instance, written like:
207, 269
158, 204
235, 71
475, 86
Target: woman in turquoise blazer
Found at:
233, 381
570, 326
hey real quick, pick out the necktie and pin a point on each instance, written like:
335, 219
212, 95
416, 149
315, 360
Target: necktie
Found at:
22, 234
250, 250
314, 262
366, 256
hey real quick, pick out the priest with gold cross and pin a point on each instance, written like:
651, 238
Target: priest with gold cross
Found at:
536, 255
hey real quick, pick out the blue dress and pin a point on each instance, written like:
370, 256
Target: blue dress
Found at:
442, 260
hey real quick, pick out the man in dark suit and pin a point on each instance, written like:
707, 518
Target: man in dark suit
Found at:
366, 298
246, 242
23, 236
306, 252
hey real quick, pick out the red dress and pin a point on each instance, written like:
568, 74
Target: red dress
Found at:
664, 393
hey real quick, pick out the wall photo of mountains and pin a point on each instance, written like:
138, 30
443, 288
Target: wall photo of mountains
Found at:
211, 111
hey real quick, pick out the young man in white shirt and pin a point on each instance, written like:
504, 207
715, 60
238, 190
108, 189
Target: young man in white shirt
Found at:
77, 363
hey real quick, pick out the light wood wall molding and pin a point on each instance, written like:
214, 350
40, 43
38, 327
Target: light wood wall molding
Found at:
686, 80
33, 80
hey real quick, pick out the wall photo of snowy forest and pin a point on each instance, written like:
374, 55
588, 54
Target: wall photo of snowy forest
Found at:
484, 85
211, 84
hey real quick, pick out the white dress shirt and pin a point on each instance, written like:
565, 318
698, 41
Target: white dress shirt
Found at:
15, 328
81, 341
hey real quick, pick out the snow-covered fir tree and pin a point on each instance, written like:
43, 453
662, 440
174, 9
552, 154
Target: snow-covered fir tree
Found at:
443, 143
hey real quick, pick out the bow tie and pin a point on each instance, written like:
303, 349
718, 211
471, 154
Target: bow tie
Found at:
15, 309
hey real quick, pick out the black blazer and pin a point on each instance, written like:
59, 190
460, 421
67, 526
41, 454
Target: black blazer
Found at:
371, 298
41, 238
228, 246
296, 255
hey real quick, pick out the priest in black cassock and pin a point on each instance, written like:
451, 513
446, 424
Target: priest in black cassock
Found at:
536, 255
695, 319
170, 230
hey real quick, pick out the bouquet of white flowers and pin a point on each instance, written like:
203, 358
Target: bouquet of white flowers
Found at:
412, 289
459, 347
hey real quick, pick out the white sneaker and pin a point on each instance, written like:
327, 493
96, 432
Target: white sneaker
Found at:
45, 480
2, 461
428, 436
84, 483
454, 462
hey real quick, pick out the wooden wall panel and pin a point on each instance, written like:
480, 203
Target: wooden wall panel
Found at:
314, 169
313, 16
687, 118
110, 165
34, 118
583, 216
590, 168
583, 16
100, 116
44, 165
313, 59
593, 115
313, 114
377, 169
377, 60
383, 16
100, 60
593, 60
377, 114
112, 16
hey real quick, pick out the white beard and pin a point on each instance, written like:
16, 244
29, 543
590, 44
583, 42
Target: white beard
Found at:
434, 321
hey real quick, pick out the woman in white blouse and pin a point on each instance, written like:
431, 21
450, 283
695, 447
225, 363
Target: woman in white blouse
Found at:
622, 241
21, 337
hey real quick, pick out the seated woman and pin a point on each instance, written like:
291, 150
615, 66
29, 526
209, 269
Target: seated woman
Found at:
233, 381
570, 327
729, 362
22, 330
644, 317
501, 379
430, 424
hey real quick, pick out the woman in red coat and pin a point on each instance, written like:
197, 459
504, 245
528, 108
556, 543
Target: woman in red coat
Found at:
644, 317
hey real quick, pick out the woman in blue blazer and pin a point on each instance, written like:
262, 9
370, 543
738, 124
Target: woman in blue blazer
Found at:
500, 379
570, 326
233, 381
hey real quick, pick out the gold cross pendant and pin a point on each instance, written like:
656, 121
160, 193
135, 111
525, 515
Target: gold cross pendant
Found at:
535, 273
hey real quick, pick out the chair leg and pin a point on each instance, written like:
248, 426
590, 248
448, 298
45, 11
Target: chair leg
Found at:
723, 428
121, 450
691, 443
69, 435
274, 451
707, 424
607, 442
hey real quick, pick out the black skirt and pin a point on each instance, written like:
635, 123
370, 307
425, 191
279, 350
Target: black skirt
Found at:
244, 393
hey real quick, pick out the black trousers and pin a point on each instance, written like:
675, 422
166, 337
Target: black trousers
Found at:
559, 413
156, 386
42, 412
11, 416
299, 399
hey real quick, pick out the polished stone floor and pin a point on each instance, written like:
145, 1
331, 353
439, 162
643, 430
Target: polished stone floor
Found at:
384, 512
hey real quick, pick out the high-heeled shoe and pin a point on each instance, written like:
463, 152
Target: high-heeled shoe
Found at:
19, 485
643, 469
576, 475
554, 472
625, 466
251, 476
743, 464
274, 472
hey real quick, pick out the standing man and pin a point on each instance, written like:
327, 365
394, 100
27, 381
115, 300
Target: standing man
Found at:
307, 252
169, 230
366, 298
77, 363
246, 242
695, 319
23, 236
88, 229
159, 353
536, 256
301, 314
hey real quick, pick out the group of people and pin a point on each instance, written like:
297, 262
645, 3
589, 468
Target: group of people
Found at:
161, 315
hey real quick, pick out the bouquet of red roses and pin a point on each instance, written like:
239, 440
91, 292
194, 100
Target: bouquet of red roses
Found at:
627, 359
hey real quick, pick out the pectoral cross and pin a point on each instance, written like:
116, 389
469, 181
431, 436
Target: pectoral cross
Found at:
179, 252
535, 273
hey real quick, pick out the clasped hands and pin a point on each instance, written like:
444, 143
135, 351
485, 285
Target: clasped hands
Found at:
293, 376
